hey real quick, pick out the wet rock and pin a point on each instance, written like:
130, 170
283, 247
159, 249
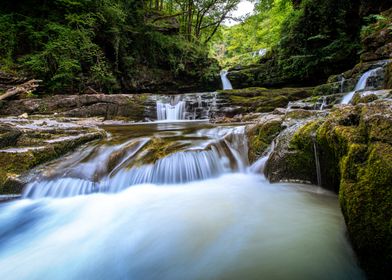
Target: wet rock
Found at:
8, 135
288, 162
130, 106
25, 144
261, 99
370, 96
261, 134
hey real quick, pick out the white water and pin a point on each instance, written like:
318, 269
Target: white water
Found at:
169, 112
234, 227
361, 85
213, 152
225, 81
226, 223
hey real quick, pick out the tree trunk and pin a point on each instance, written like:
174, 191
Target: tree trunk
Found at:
23, 88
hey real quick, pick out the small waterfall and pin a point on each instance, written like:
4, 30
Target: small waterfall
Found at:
260, 52
361, 85
259, 165
175, 110
324, 103
223, 153
342, 81
317, 161
190, 106
225, 81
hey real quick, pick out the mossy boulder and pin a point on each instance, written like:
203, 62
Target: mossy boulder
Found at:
293, 157
261, 135
261, 99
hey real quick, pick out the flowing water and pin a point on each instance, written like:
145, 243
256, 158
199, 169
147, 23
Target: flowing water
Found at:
361, 84
171, 201
226, 84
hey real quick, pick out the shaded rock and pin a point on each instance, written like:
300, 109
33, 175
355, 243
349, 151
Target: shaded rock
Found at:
261, 99
129, 106
8, 135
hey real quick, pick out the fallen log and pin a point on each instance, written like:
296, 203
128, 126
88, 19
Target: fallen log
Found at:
26, 87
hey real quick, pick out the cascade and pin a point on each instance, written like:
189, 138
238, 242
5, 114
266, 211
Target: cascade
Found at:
323, 103
222, 154
190, 106
175, 110
171, 201
259, 165
225, 81
361, 84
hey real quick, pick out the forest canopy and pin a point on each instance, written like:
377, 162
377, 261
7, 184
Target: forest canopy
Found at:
136, 45
109, 44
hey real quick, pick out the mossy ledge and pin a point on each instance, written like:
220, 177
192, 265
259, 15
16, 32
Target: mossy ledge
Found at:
261, 100
354, 146
24, 147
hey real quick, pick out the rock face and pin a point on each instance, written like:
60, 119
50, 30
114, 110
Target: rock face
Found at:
354, 147
378, 44
130, 106
25, 144
261, 100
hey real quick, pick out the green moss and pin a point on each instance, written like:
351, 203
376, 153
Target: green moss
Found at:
327, 89
388, 76
261, 136
262, 99
358, 98
366, 201
13, 164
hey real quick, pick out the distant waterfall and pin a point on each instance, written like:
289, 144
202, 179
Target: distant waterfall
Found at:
225, 81
175, 110
361, 85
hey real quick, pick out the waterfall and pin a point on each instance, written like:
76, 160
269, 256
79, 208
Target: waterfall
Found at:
222, 154
317, 161
193, 212
361, 85
169, 112
259, 165
323, 103
225, 81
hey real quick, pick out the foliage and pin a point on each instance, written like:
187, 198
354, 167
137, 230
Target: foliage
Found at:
240, 43
101, 44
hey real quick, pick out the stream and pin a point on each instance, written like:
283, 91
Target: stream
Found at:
122, 209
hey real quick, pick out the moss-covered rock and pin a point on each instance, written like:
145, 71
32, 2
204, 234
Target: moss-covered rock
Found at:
293, 158
354, 145
262, 99
32, 145
388, 76
261, 134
